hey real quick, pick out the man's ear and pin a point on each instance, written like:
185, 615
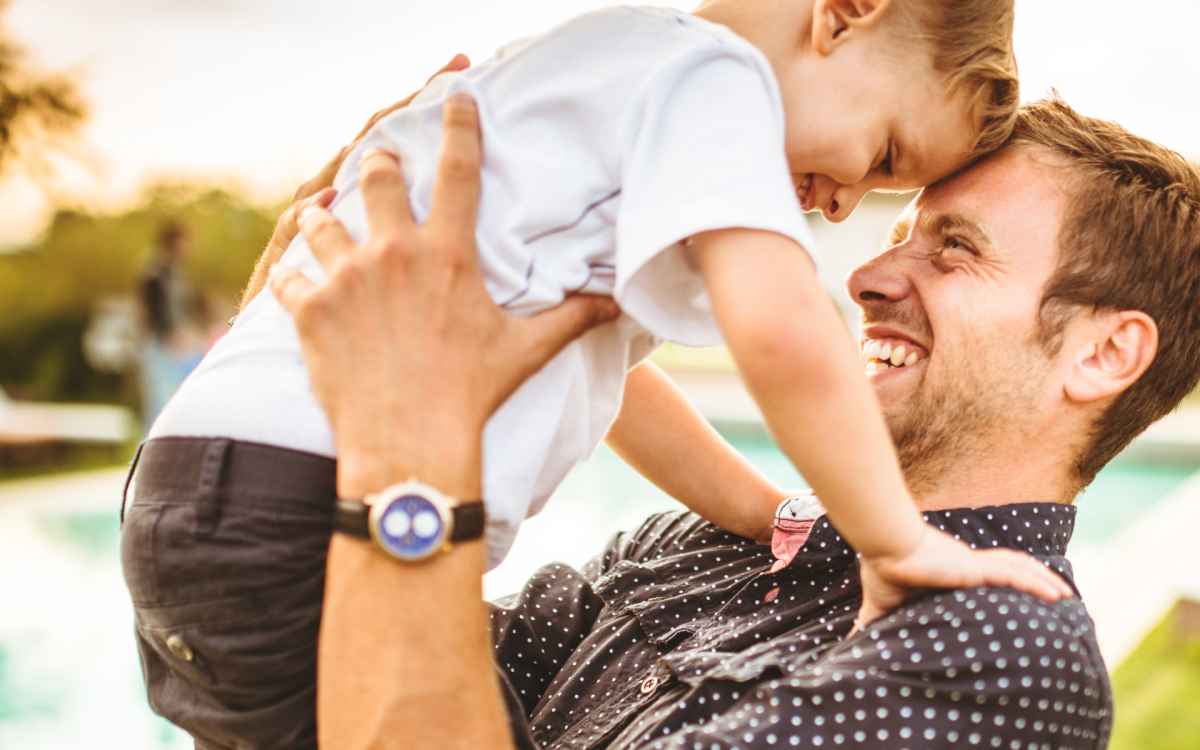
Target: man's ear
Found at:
1109, 351
835, 21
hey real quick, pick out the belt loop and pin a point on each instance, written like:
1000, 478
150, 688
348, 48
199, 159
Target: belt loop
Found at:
208, 510
129, 481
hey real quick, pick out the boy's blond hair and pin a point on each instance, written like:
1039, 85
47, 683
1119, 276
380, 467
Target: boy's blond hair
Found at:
971, 42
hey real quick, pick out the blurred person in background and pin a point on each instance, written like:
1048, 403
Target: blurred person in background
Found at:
173, 344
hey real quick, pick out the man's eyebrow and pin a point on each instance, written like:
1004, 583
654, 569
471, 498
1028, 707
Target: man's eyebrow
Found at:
899, 231
942, 224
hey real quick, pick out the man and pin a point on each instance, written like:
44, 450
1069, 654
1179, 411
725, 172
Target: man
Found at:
1054, 288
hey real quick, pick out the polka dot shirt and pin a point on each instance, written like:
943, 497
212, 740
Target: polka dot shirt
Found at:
678, 636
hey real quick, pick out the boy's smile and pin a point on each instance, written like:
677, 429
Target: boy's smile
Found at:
865, 109
870, 119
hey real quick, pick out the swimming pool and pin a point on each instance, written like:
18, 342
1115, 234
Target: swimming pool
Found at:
69, 675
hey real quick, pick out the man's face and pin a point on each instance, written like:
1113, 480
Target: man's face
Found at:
960, 289
866, 118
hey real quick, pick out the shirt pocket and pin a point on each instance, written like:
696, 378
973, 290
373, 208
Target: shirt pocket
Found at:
664, 609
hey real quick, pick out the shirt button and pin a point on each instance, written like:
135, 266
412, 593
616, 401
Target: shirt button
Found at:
770, 597
649, 684
179, 648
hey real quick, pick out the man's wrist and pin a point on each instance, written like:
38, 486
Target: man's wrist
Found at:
448, 462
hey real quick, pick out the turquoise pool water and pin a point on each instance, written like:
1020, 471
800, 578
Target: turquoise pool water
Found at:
69, 676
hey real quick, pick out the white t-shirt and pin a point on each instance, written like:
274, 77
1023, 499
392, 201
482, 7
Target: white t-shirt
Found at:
607, 142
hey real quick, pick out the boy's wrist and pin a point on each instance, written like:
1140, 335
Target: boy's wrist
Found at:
901, 546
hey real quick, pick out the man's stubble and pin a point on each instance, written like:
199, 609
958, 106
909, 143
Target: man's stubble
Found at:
960, 406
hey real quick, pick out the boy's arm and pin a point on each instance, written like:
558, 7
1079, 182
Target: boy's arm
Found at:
798, 362
791, 346
661, 434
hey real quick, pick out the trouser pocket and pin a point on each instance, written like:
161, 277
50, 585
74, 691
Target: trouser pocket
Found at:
228, 609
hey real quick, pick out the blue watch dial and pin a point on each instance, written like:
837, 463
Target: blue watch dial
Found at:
411, 527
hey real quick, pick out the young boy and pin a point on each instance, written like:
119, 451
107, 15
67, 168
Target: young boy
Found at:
644, 153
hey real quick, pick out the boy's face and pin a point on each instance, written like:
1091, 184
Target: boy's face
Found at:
866, 117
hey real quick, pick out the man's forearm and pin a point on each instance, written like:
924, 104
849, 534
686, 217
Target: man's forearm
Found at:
388, 672
389, 675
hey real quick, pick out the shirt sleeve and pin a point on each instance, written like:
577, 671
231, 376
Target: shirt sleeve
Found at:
705, 151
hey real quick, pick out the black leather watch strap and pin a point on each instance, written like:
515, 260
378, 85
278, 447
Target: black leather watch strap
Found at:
469, 521
352, 517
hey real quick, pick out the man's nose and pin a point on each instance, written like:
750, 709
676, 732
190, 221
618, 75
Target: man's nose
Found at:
880, 279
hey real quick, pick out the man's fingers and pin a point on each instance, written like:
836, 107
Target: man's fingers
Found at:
325, 234
457, 63
290, 287
456, 187
384, 192
553, 329
321, 199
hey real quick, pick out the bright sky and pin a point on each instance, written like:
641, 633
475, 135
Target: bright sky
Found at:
259, 93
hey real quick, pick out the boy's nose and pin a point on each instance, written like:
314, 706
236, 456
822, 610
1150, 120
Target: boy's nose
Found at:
842, 203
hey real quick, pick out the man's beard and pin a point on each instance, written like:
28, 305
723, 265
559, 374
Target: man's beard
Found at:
949, 424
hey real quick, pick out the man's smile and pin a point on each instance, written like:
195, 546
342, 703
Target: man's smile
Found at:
885, 351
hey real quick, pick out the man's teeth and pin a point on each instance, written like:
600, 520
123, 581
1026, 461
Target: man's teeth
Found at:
883, 355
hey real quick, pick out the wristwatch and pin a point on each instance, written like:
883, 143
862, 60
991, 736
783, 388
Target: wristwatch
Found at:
410, 521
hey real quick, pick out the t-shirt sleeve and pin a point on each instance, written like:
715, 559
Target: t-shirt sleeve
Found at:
705, 151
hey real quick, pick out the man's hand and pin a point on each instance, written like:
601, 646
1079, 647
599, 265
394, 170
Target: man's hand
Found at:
406, 319
942, 562
410, 356
319, 192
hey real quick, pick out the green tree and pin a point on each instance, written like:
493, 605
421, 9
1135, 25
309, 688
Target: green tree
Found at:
49, 290
34, 107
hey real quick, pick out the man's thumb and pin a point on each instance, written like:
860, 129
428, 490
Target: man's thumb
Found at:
559, 326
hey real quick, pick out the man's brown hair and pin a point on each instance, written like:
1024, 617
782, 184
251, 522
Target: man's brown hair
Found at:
1130, 240
971, 42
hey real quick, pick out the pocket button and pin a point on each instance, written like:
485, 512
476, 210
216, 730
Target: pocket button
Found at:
179, 648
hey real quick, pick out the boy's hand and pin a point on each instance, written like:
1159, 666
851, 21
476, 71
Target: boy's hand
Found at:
942, 562
319, 192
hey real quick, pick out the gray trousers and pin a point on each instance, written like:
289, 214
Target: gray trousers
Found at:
223, 547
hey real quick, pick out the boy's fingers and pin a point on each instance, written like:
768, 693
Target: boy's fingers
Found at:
1027, 573
325, 234
456, 187
384, 193
559, 326
290, 287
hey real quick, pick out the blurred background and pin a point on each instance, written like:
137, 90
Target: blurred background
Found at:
146, 148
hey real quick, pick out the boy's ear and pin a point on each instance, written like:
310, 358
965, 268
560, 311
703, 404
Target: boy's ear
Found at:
835, 21
1108, 352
